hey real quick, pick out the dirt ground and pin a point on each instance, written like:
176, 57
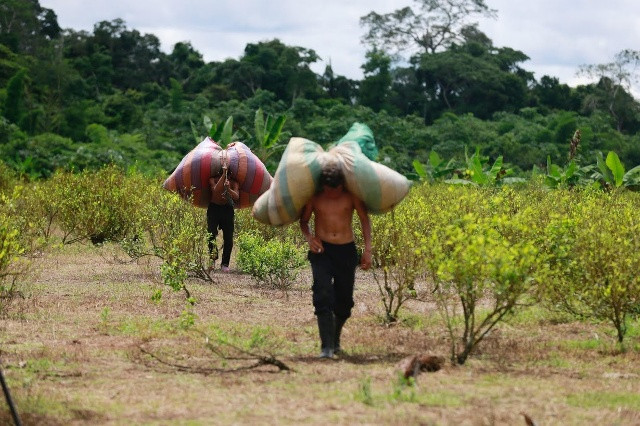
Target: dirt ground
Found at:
87, 345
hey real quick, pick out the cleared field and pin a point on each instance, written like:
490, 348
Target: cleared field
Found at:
87, 345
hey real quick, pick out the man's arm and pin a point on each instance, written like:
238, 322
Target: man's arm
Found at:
232, 188
216, 184
365, 223
315, 245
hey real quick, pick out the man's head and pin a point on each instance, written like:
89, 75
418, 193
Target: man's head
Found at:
331, 175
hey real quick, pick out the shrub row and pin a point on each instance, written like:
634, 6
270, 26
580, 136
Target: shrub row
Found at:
480, 253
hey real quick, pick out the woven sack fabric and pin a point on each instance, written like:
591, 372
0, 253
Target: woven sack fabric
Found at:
191, 178
297, 179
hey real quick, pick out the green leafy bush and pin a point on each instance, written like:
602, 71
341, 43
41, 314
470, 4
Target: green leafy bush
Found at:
595, 262
246, 223
172, 229
398, 261
8, 178
13, 266
478, 248
271, 263
98, 205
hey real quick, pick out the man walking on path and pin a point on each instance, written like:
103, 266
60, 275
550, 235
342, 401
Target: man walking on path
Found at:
333, 255
220, 214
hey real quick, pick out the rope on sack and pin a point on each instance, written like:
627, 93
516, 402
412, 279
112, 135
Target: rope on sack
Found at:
225, 169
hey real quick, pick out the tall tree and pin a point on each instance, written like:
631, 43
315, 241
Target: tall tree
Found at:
420, 33
185, 61
14, 107
337, 86
375, 87
25, 25
615, 81
281, 69
474, 78
549, 93
135, 58
429, 27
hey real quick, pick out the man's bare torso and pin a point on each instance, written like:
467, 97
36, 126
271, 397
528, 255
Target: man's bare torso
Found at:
333, 211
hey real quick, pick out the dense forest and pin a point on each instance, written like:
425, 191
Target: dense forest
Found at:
76, 99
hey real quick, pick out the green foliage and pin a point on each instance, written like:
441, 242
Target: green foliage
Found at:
612, 173
467, 245
172, 230
267, 131
176, 95
616, 167
13, 266
222, 133
437, 168
173, 273
98, 206
404, 389
476, 172
14, 108
8, 178
271, 263
105, 319
397, 258
187, 317
478, 256
559, 177
594, 263
462, 92
364, 393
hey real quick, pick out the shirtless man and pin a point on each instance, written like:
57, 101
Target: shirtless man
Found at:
220, 214
333, 255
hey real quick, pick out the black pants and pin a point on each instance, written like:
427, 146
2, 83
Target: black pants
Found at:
334, 273
220, 216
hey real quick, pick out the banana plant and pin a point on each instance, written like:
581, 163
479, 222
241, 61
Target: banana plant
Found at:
475, 174
611, 173
266, 136
559, 177
436, 168
222, 133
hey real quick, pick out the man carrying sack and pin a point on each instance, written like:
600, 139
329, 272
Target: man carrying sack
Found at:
333, 255
220, 214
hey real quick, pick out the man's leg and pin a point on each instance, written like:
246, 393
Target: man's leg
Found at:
212, 228
345, 273
226, 224
323, 301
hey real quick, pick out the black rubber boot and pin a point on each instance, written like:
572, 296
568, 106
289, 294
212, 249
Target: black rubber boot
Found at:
327, 329
336, 338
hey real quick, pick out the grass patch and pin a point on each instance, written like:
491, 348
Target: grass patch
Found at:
633, 329
556, 360
404, 391
610, 400
144, 327
538, 315
419, 322
588, 344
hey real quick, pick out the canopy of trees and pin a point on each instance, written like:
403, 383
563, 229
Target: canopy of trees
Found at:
432, 81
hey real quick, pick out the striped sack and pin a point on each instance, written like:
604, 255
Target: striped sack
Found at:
191, 178
297, 179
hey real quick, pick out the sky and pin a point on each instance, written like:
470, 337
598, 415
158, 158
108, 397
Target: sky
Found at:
557, 35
